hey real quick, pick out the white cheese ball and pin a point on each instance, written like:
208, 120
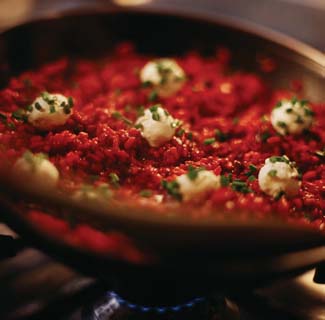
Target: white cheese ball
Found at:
49, 111
36, 171
165, 75
279, 176
157, 126
291, 117
198, 186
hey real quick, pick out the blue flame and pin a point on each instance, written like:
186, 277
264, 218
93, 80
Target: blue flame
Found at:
147, 309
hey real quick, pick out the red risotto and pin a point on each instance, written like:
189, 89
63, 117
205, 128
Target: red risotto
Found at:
167, 132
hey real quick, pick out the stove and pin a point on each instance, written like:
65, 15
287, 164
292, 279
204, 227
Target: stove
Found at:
34, 286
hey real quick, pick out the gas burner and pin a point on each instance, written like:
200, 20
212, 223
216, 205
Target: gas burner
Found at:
112, 306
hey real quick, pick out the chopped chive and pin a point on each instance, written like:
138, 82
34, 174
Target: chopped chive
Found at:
154, 112
140, 111
145, 193
264, 136
70, 102
155, 116
240, 186
11, 126
52, 109
294, 100
299, 120
172, 188
221, 135
38, 106
225, 180
116, 115
153, 96
67, 109
279, 195
275, 159
114, 179
146, 84
272, 173
251, 178
138, 126
281, 124
193, 172
289, 110
209, 141
29, 108
154, 108
18, 115
180, 132
278, 104
309, 113
190, 136
251, 170
303, 102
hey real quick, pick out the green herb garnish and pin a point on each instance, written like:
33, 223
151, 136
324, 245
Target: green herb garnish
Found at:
67, 109
240, 186
309, 113
299, 120
146, 84
281, 124
154, 112
221, 135
153, 96
272, 173
145, 193
19, 115
225, 180
251, 170
114, 179
264, 136
275, 159
209, 141
52, 109
180, 132
193, 172
70, 102
279, 195
119, 116
38, 106
172, 188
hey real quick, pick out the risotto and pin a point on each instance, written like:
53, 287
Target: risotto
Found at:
178, 131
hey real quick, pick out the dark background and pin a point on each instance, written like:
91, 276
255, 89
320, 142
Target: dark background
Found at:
302, 19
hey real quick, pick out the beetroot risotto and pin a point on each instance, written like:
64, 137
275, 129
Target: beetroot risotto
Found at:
164, 132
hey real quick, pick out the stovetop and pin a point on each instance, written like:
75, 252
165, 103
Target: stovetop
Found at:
33, 286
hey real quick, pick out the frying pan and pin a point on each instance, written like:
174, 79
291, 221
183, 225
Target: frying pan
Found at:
191, 258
